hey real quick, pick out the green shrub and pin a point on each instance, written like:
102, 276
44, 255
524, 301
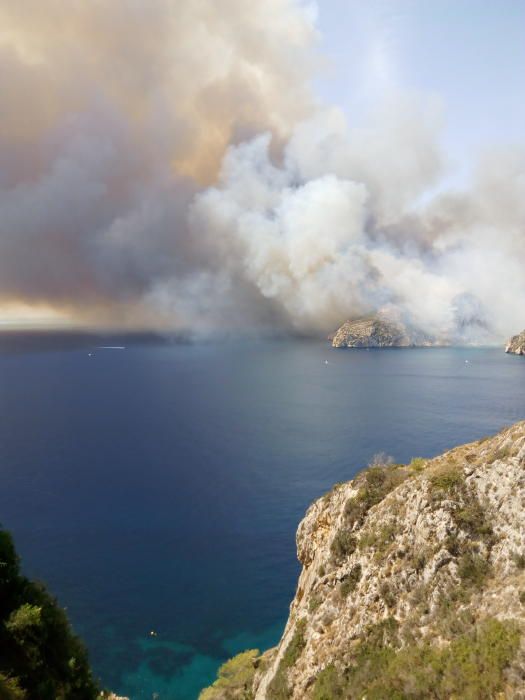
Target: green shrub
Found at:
417, 464
471, 667
296, 645
473, 569
314, 603
388, 595
10, 689
499, 453
355, 510
451, 621
328, 685
24, 620
378, 539
382, 633
38, 647
234, 678
375, 483
447, 478
418, 558
350, 581
472, 518
376, 478
453, 545
343, 545
278, 688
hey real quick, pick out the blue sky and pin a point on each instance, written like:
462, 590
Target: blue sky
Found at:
469, 53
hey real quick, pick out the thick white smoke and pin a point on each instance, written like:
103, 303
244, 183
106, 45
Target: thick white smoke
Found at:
340, 230
163, 163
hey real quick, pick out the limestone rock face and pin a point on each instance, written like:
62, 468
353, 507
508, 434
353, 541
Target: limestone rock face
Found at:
516, 344
377, 333
405, 564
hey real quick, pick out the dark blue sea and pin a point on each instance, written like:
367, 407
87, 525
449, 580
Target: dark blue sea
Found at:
158, 488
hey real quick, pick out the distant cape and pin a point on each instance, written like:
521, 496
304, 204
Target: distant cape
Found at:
377, 332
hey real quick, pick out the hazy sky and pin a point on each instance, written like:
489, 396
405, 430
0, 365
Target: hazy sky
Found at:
219, 165
469, 53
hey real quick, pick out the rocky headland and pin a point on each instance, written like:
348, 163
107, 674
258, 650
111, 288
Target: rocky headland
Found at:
377, 332
412, 586
516, 344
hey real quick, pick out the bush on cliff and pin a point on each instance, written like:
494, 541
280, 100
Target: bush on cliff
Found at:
471, 667
40, 657
234, 678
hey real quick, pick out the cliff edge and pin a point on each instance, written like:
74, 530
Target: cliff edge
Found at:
412, 586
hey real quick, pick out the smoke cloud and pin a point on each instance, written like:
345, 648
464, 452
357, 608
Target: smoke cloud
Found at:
113, 115
165, 164
340, 229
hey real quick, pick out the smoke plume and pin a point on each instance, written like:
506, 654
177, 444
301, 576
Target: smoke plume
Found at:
165, 164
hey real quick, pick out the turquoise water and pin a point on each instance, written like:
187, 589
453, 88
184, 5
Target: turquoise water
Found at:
158, 489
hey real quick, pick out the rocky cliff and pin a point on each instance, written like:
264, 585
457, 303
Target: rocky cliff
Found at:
413, 586
516, 344
377, 332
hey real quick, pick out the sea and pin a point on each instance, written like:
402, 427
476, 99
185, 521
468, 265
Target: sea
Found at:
156, 486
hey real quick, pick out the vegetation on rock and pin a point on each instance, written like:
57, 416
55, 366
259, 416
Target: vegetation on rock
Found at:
234, 679
413, 583
471, 667
279, 689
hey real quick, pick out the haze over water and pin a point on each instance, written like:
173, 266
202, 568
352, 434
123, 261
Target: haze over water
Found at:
158, 488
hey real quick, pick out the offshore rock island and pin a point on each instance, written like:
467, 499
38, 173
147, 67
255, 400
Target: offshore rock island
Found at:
413, 586
516, 344
377, 332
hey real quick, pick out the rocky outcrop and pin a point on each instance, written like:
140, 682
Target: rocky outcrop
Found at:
405, 566
516, 344
412, 586
377, 332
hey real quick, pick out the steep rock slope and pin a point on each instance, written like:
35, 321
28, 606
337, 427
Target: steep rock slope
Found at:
413, 585
421, 566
